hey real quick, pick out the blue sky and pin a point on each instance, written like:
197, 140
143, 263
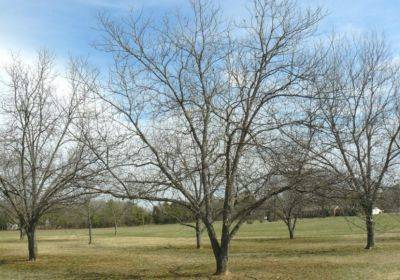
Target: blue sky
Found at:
67, 27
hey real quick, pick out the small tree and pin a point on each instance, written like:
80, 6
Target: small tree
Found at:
290, 205
12, 217
175, 213
116, 210
89, 207
89, 215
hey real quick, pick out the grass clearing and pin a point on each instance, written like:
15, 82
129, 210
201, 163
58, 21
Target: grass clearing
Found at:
327, 248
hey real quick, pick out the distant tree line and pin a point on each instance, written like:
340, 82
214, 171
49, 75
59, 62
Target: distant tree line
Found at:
105, 213
74, 216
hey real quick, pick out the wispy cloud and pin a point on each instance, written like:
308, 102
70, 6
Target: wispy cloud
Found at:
118, 4
67, 26
129, 4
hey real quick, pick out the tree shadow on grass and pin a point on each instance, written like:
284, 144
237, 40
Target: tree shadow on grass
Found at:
78, 267
174, 273
12, 261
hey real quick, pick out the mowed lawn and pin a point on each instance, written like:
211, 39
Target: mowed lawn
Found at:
326, 248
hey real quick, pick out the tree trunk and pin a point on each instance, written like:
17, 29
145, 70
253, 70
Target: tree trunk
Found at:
223, 252
222, 259
21, 233
369, 222
198, 233
90, 232
90, 229
291, 233
21, 229
115, 228
32, 248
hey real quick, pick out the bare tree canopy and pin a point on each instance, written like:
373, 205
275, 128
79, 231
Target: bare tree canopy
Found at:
41, 159
190, 100
358, 121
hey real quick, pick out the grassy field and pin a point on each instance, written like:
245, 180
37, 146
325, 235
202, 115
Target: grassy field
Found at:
328, 248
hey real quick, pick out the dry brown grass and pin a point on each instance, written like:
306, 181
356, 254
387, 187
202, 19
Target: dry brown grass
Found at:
334, 254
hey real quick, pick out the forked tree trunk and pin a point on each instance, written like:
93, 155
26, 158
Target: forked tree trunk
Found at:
220, 250
291, 225
198, 233
369, 222
32, 248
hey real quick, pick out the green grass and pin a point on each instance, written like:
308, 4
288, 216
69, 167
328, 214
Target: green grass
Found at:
329, 248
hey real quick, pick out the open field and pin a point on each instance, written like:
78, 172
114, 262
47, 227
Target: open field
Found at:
328, 248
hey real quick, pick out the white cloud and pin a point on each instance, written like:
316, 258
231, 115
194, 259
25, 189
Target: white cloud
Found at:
129, 4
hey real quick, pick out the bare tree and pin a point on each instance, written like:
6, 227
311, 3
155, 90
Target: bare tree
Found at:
14, 218
290, 205
117, 211
293, 168
359, 120
197, 89
173, 212
87, 201
42, 162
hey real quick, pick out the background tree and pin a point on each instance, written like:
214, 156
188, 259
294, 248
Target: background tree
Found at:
167, 213
89, 207
389, 199
4, 221
11, 218
358, 125
290, 205
89, 212
116, 211
42, 161
136, 215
